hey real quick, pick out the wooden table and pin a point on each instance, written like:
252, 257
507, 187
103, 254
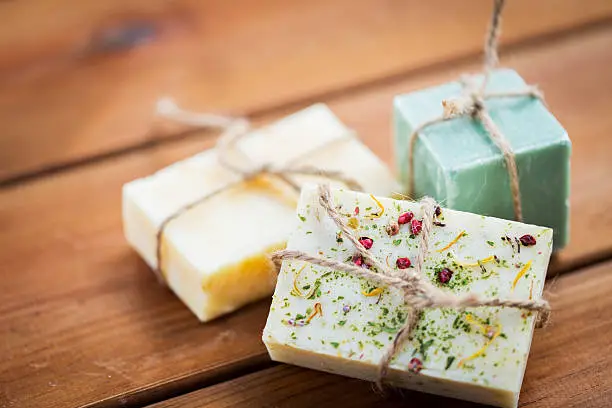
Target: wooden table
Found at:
83, 321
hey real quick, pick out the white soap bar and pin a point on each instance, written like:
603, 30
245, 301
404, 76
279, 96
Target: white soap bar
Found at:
478, 354
214, 256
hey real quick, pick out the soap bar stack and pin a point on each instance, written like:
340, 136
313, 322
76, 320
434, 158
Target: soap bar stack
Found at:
457, 163
333, 321
214, 256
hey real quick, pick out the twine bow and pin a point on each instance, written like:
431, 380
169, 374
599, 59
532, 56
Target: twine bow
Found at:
471, 103
231, 157
418, 293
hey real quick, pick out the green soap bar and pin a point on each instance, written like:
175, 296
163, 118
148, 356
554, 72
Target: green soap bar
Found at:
457, 163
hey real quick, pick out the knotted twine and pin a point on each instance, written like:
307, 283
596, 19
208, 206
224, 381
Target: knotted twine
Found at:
234, 129
471, 103
418, 293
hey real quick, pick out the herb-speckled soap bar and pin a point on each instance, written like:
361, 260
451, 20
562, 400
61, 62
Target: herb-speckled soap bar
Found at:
457, 163
214, 256
332, 321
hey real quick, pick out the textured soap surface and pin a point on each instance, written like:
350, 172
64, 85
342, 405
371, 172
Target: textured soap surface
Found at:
458, 164
353, 330
214, 256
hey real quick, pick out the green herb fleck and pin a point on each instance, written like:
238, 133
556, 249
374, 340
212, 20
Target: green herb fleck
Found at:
396, 242
335, 344
424, 346
449, 361
302, 218
491, 243
341, 322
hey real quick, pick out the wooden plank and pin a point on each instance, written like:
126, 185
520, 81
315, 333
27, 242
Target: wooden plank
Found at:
78, 306
84, 82
569, 365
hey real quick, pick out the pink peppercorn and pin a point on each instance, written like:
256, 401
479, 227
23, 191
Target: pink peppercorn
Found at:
366, 242
405, 218
356, 210
416, 226
445, 275
403, 263
527, 240
358, 260
415, 365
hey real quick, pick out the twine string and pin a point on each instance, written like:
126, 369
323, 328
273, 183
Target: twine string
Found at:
233, 130
471, 103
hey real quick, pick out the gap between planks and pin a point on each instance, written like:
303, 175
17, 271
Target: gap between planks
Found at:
157, 139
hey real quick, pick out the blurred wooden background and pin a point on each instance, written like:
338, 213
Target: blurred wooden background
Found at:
83, 321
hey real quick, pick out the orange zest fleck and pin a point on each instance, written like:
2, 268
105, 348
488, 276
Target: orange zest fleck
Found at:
353, 223
296, 290
520, 274
470, 319
318, 310
483, 348
453, 242
377, 214
373, 292
479, 262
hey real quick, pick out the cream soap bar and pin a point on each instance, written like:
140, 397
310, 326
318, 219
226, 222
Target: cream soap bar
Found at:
332, 321
214, 255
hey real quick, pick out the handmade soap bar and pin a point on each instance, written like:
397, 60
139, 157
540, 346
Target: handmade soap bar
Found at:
457, 163
214, 255
332, 321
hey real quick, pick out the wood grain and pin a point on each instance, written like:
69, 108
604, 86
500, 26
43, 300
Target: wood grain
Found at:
80, 79
80, 311
569, 365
